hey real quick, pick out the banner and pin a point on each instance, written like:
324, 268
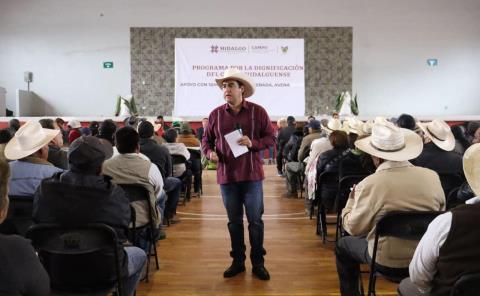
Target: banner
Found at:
275, 65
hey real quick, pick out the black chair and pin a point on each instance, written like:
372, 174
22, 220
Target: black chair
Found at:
19, 217
452, 200
197, 169
79, 259
323, 179
467, 285
403, 225
135, 193
344, 187
186, 178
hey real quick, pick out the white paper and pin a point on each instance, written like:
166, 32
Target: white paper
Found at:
232, 139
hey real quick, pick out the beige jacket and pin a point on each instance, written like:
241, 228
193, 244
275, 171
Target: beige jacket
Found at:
395, 186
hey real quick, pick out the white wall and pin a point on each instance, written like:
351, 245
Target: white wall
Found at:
64, 42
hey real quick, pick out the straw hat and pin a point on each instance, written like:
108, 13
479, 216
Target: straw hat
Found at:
353, 125
440, 133
391, 143
30, 138
471, 159
74, 123
235, 74
367, 127
334, 124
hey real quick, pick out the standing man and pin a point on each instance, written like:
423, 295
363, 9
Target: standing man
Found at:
240, 178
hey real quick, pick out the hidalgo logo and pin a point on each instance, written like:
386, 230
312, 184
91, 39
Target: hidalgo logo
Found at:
284, 49
214, 49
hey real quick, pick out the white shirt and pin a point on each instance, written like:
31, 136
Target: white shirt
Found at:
423, 266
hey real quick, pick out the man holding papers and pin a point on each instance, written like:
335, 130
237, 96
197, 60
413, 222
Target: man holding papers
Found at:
235, 134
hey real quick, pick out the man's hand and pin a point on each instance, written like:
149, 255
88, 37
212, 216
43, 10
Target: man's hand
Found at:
213, 156
245, 141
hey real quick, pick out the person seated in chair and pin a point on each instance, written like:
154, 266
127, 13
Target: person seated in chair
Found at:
396, 185
159, 155
56, 155
81, 195
29, 149
176, 148
449, 247
21, 273
132, 167
438, 154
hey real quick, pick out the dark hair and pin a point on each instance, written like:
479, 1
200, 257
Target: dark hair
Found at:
60, 122
94, 126
406, 121
170, 135
352, 137
14, 124
459, 134
160, 117
338, 139
107, 131
145, 129
47, 123
127, 140
5, 136
472, 127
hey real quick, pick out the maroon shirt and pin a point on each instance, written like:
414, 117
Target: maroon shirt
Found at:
255, 124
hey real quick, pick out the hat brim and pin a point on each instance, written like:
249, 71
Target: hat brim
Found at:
13, 151
413, 147
249, 88
448, 144
471, 159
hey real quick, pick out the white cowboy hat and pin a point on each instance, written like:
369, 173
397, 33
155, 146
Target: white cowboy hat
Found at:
29, 138
391, 143
367, 127
440, 133
235, 74
334, 124
471, 159
74, 123
353, 125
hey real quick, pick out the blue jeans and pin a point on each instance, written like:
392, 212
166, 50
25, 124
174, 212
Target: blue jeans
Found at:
172, 186
235, 196
136, 261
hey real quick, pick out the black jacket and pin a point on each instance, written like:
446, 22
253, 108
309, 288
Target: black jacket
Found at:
283, 137
447, 164
158, 155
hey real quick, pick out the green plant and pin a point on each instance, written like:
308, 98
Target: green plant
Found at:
130, 104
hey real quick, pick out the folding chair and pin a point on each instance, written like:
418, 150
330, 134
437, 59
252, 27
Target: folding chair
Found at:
403, 225
19, 217
134, 193
323, 179
344, 187
82, 259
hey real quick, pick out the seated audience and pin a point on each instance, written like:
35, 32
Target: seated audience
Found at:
81, 195
201, 129
175, 148
449, 248
29, 150
187, 137
13, 126
132, 167
61, 125
472, 128
5, 137
318, 146
159, 155
107, 131
74, 131
397, 185
286, 128
94, 126
294, 168
56, 155
329, 161
406, 121
193, 144
21, 273
437, 154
